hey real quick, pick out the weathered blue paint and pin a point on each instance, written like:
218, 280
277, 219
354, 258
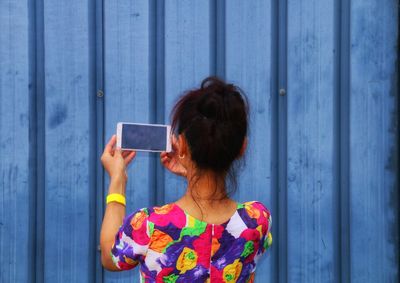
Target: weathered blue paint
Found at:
323, 156
374, 188
16, 250
311, 194
67, 148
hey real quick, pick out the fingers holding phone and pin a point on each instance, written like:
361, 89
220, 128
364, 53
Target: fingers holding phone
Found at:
170, 161
142, 137
115, 160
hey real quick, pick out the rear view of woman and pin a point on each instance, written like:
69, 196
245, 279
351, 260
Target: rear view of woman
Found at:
205, 236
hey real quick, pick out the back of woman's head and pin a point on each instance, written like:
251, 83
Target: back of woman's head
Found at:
214, 122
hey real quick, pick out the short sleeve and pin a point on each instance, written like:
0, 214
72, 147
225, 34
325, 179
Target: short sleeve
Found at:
266, 219
267, 240
131, 241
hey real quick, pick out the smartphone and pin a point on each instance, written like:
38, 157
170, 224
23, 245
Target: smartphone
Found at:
144, 137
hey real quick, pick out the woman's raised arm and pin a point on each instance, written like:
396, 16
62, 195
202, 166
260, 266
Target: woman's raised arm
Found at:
115, 162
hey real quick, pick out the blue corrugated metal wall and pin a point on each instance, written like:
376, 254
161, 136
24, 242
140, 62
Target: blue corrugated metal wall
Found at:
321, 77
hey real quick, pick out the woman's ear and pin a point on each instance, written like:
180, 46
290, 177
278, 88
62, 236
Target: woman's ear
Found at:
182, 145
244, 146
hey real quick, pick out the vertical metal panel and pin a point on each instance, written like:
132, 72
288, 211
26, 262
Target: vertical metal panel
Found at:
374, 149
15, 233
312, 237
96, 23
37, 138
341, 128
248, 64
128, 95
218, 38
187, 61
66, 45
279, 143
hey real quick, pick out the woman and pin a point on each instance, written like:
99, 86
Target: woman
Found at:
205, 236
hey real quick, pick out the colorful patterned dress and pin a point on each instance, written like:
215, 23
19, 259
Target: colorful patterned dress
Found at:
173, 246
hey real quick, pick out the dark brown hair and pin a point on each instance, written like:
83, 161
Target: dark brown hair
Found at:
214, 121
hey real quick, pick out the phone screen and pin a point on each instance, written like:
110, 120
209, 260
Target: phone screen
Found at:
144, 137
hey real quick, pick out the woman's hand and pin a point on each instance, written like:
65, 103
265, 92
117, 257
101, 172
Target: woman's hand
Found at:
115, 160
171, 162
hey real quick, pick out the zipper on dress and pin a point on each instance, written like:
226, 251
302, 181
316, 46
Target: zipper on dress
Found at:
212, 237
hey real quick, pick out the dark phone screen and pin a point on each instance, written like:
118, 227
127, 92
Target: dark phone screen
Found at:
144, 137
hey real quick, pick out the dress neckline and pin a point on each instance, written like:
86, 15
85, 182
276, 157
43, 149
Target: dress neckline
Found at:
238, 206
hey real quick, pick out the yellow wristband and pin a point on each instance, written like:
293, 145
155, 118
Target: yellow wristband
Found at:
117, 198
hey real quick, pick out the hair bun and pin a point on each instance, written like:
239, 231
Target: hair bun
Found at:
209, 107
213, 119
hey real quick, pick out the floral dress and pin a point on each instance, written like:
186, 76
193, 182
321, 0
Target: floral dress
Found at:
173, 246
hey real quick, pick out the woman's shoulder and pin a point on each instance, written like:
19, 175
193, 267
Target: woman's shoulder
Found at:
256, 213
258, 206
262, 216
150, 211
166, 215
